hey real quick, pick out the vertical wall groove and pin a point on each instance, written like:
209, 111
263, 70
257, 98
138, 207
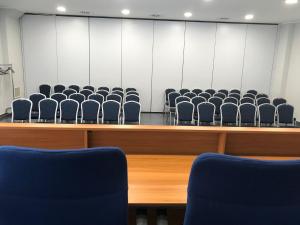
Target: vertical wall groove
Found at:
56, 50
89, 31
152, 66
183, 54
23, 57
213, 63
122, 53
243, 66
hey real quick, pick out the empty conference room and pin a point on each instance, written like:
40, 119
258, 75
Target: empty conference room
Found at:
150, 112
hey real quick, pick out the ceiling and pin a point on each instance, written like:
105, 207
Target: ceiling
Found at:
265, 11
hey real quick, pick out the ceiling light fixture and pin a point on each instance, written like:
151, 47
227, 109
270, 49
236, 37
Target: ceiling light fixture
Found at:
61, 8
291, 2
249, 17
188, 14
125, 12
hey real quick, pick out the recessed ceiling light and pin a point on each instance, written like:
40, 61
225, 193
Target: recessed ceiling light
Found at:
249, 17
291, 2
61, 8
188, 14
125, 11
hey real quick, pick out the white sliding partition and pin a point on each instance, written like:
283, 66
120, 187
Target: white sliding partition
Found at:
105, 52
199, 55
137, 44
259, 56
39, 51
167, 60
73, 50
229, 54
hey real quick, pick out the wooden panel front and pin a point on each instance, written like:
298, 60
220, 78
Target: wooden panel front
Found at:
263, 144
149, 142
43, 138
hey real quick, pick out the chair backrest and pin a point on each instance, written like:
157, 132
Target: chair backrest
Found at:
171, 99
217, 102
229, 113
210, 91
111, 111
190, 95
134, 98
132, 112
118, 89
183, 91
69, 110
119, 93
228, 190
103, 88
48, 109
182, 99
75, 87
206, 112
21, 109
279, 101
205, 95
254, 92
225, 92
59, 97
114, 97
266, 114
90, 110
68, 92
262, 96
235, 95
45, 89
196, 101
130, 89
78, 97
247, 100
89, 87
74, 187
59, 88
197, 91
249, 95
86, 93
247, 113
132, 93
167, 92
35, 99
184, 111
285, 114
220, 95
235, 91
103, 92
231, 100
97, 97
262, 100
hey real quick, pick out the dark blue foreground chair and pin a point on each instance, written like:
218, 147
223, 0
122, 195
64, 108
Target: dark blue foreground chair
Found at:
111, 110
229, 114
48, 110
80, 187
184, 112
132, 112
227, 190
69, 110
90, 111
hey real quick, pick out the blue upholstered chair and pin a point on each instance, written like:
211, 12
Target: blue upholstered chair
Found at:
79, 98
262, 100
205, 95
134, 98
21, 110
228, 190
166, 104
111, 110
235, 91
89, 87
182, 99
45, 89
197, 91
235, 95
103, 88
229, 114
196, 101
249, 95
59, 97
183, 91
130, 89
35, 99
118, 93
97, 97
48, 110
90, 111
231, 100
254, 92
210, 91
59, 88
190, 95
206, 113
266, 114
68, 92
132, 112
279, 101
285, 113
118, 89
86, 93
247, 114
247, 100
103, 92
69, 110
217, 102
220, 95
225, 92
132, 93
172, 104
114, 97
261, 95
184, 112
73, 187
75, 87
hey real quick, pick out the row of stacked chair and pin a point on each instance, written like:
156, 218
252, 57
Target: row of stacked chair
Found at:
88, 106
230, 108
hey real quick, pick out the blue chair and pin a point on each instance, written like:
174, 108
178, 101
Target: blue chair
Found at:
21, 110
210, 91
89, 87
59, 88
90, 111
228, 190
35, 99
231, 100
184, 112
183, 91
97, 97
197, 91
75, 87
48, 110
220, 95
114, 97
247, 114
217, 102
86, 93
205, 95
262, 96
132, 112
249, 95
68, 92
118, 89
45, 89
132, 93
119, 93
104, 88
69, 110
254, 92
72, 187
79, 98
266, 114
111, 110
166, 104
206, 113
229, 114
262, 100
223, 91
104, 93
247, 100
129, 89
279, 101
235, 95
181, 99
190, 95
172, 103
134, 98
285, 113
235, 91
59, 97
196, 101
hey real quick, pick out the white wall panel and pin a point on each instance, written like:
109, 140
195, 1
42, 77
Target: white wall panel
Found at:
39, 51
229, 54
167, 60
73, 50
137, 46
199, 55
259, 56
105, 50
